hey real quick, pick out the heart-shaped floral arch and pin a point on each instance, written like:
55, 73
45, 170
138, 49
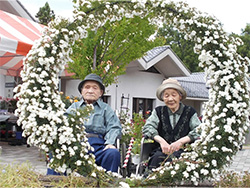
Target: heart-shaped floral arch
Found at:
225, 120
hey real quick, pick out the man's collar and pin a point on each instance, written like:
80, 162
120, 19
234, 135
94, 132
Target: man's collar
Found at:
98, 102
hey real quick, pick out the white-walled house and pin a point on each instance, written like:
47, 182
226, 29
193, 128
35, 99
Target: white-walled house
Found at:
136, 90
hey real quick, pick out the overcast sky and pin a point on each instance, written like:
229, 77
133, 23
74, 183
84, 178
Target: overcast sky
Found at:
234, 15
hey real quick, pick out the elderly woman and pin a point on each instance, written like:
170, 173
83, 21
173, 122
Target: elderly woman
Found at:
171, 126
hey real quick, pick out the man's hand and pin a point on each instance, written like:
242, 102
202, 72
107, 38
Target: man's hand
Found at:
109, 146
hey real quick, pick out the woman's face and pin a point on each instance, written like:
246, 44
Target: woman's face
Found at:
172, 98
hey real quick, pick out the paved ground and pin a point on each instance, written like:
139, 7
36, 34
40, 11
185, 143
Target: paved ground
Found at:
241, 162
22, 153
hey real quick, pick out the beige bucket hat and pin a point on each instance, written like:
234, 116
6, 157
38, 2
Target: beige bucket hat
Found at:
170, 83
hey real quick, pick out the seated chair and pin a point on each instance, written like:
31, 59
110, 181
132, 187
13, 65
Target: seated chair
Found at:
147, 146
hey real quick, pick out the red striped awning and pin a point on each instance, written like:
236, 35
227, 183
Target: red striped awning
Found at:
17, 36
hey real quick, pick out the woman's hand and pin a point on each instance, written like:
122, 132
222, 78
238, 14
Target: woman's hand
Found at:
175, 146
165, 147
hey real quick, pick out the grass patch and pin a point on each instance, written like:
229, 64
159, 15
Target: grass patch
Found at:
18, 175
23, 175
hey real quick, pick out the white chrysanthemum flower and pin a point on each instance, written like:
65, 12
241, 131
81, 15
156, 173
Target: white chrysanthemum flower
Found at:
59, 156
185, 174
177, 166
204, 171
188, 168
224, 149
214, 163
214, 149
62, 168
173, 173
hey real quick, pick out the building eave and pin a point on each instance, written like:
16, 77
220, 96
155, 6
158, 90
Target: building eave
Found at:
174, 66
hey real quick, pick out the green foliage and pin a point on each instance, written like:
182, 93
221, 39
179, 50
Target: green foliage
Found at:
183, 48
110, 48
244, 50
45, 14
3, 104
136, 125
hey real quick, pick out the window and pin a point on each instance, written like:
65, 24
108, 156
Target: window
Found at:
106, 99
142, 105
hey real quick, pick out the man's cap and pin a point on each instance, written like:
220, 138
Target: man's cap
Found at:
91, 77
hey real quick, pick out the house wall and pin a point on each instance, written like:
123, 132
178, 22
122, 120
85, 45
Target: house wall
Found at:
134, 83
196, 104
7, 85
70, 87
2, 85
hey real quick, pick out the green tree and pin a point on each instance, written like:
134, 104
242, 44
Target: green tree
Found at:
108, 49
183, 48
45, 14
244, 50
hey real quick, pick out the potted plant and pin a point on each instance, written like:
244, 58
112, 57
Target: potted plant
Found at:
132, 134
8, 104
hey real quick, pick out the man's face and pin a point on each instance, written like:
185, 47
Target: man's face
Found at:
172, 99
91, 91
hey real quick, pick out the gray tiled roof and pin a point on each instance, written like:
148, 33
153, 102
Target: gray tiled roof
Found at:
151, 54
194, 85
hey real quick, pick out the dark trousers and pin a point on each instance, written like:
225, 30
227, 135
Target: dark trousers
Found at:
109, 159
157, 157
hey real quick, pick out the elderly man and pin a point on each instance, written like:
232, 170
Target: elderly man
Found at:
103, 126
171, 126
